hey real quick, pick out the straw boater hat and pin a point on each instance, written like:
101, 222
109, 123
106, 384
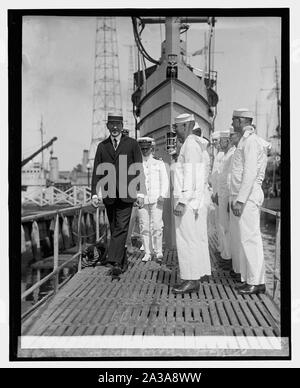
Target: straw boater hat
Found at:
114, 117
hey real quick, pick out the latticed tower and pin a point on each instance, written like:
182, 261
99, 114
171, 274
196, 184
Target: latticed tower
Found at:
130, 122
107, 87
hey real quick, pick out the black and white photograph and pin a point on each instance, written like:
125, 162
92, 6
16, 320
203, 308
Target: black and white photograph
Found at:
154, 185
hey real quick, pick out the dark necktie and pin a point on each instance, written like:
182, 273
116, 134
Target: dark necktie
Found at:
115, 144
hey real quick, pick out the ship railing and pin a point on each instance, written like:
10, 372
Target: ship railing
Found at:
276, 263
81, 238
45, 196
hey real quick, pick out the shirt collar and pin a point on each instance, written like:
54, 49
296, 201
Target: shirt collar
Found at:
118, 138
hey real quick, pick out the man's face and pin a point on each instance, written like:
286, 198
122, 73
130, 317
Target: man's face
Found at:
180, 131
115, 127
216, 144
236, 123
235, 138
224, 143
146, 150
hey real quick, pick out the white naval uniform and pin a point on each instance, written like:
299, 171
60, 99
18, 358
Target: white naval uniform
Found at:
214, 183
248, 170
150, 216
223, 195
191, 233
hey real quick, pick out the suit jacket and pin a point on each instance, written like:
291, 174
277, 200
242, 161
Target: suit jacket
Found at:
115, 170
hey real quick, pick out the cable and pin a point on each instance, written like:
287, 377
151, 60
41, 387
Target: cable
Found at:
138, 41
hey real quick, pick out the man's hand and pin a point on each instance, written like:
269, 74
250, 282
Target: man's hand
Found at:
160, 200
237, 208
96, 201
178, 211
140, 202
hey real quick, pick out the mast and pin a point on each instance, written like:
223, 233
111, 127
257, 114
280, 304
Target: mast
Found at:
278, 129
42, 144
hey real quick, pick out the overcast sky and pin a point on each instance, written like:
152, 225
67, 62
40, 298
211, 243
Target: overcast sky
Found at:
58, 70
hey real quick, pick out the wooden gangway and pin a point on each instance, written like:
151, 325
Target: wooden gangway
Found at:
141, 304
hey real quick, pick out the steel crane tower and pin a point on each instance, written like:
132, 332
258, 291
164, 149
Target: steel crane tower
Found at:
107, 86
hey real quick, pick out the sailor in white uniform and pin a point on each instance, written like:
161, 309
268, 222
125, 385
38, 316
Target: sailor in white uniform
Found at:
188, 201
214, 184
223, 196
157, 186
248, 170
203, 210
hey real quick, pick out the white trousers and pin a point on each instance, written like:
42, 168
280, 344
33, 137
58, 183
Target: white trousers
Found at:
237, 252
151, 227
218, 228
192, 244
224, 228
249, 226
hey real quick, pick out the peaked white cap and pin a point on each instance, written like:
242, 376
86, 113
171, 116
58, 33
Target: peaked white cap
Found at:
184, 118
215, 135
225, 133
243, 112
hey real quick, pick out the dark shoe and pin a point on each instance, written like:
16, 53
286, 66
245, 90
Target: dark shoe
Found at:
186, 287
234, 275
109, 265
248, 289
116, 270
241, 285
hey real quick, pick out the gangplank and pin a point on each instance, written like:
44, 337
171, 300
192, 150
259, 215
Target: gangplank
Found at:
141, 304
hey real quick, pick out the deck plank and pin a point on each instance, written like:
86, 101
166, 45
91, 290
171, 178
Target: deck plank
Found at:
142, 303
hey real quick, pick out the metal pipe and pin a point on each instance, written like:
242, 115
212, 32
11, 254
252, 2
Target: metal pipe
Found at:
55, 254
183, 19
49, 276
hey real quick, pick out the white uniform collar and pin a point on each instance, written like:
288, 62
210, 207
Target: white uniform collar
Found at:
249, 130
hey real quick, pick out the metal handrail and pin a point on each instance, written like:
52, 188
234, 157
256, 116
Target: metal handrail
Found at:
34, 217
57, 268
49, 276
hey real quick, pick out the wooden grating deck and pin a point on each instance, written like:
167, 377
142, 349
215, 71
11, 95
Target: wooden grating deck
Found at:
141, 304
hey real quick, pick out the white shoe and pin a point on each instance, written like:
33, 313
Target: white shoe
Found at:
159, 256
147, 257
142, 248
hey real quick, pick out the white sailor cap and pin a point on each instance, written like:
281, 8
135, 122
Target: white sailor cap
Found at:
225, 133
243, 112
215, 135
145, 141
184, 118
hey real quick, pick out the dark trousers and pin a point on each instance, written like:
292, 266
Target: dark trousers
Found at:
118, 216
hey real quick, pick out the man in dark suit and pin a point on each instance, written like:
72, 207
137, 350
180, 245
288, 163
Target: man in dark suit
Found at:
118, 182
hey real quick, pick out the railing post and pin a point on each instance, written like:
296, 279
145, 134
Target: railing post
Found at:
277, 252
79, 240
51, 195
55, 256
74, 195
84, 195
37, 291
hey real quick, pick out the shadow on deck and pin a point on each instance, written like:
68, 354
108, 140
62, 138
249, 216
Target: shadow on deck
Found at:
102, 315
